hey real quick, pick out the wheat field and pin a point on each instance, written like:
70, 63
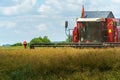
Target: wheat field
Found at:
59, 64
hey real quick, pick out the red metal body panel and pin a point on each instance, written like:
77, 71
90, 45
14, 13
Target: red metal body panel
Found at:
113, 35
75, 35
110, 29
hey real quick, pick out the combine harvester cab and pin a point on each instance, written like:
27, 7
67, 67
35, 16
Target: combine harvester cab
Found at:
96, 28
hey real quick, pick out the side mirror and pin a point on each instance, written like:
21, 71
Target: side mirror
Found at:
66, 24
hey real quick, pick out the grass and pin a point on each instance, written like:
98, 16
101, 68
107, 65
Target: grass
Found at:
59, 64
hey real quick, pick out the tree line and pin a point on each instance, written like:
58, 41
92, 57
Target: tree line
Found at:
40, 39
44, 39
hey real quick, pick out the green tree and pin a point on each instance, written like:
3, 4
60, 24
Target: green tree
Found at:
17, 44
36, 40
46, 40
40, 40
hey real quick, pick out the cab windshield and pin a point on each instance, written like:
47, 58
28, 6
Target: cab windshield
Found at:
90, 31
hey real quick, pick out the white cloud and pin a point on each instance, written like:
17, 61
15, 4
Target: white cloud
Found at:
33, 2
116, 1
7, 25
17, 1
73, 7
51, 7
41, 27
24, 7
44, 8
17, 31
58, 7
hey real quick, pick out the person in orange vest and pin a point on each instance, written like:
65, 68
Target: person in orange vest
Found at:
25, 44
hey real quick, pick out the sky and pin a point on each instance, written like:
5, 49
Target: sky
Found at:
23, 20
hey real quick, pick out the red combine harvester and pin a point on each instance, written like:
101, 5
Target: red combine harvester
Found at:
93, 29
96, 28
